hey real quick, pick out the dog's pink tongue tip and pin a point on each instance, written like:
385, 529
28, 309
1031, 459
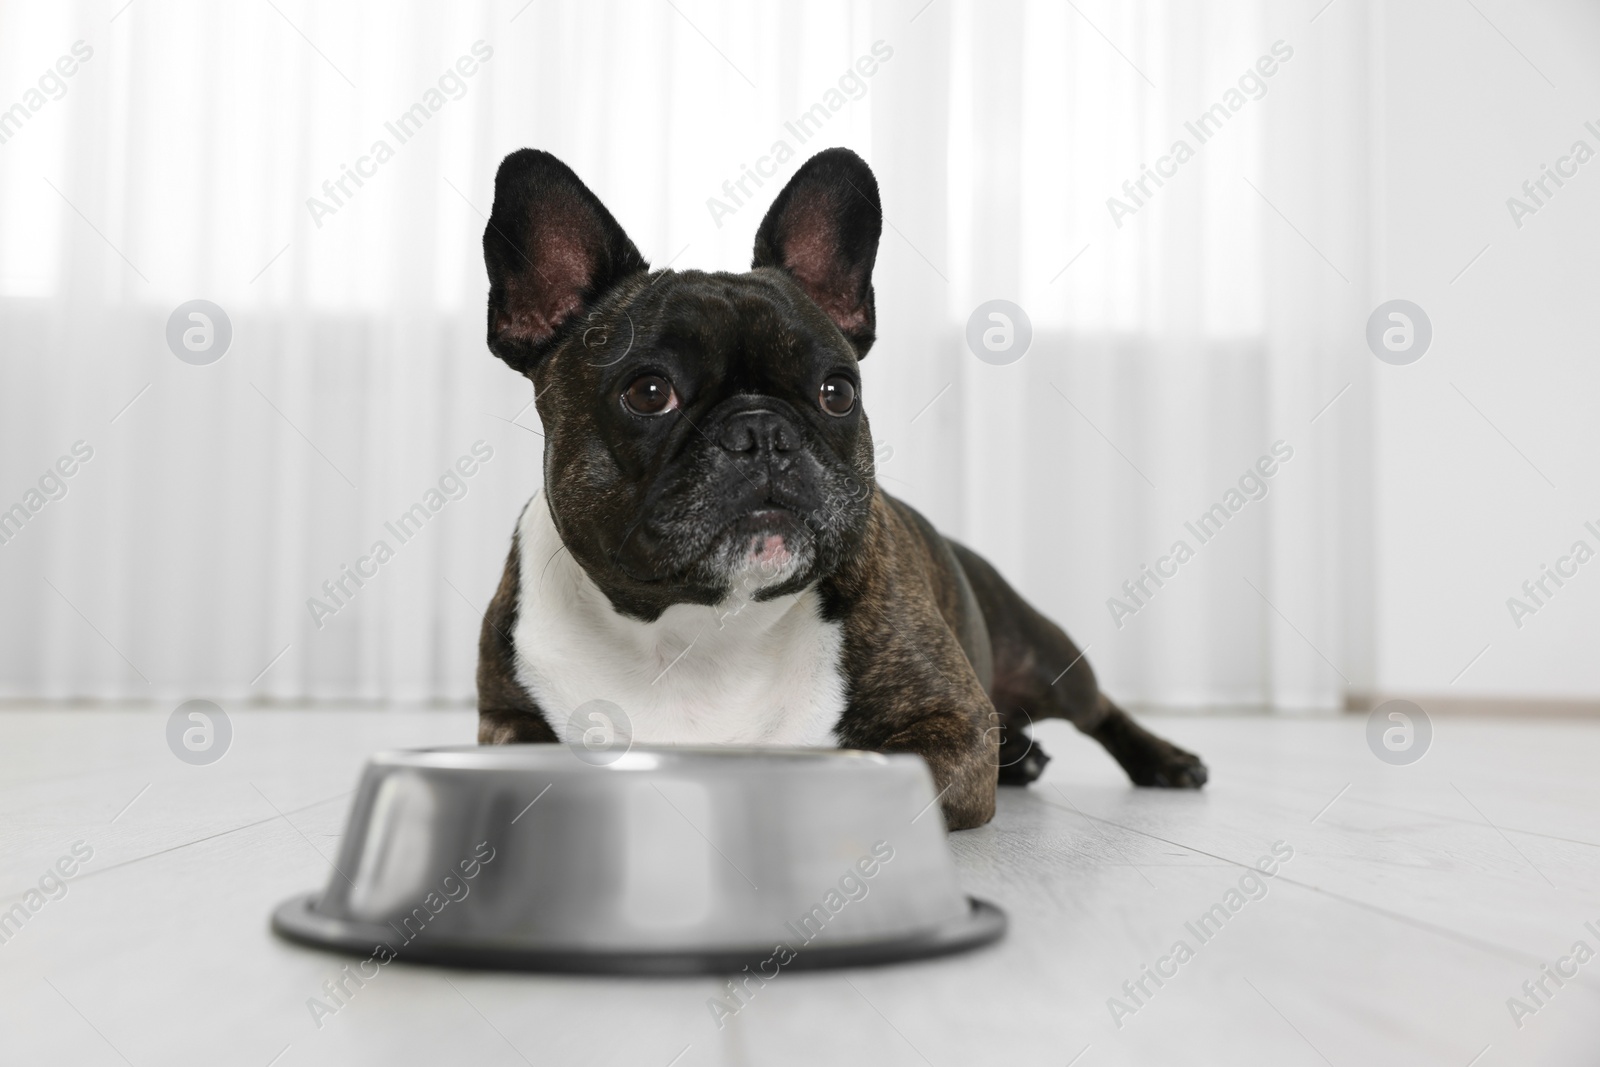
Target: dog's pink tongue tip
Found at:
773, 550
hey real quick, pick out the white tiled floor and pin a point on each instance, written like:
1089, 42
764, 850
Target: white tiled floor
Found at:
1413, 907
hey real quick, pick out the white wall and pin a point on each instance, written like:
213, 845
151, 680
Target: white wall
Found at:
1462, 518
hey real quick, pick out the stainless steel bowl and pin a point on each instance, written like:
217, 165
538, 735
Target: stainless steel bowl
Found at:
664, 860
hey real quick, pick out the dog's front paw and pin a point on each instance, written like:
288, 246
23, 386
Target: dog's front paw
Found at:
1021, 760
513, 726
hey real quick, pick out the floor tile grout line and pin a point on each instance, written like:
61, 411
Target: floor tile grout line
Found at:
197, 841
303, 836
1488, 947
1368, 802
1101, 833
1503, 837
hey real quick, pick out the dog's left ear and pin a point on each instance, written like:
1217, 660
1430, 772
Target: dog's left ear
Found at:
823, 230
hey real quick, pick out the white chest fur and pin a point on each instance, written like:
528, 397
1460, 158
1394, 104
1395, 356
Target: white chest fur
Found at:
738, 673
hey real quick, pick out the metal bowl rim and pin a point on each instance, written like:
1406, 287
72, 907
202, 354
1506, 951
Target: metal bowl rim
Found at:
297, 920
638, 758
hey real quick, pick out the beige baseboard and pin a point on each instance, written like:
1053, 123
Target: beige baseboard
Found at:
1494, 707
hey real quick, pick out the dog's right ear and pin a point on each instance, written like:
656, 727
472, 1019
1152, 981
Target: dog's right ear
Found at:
550, 248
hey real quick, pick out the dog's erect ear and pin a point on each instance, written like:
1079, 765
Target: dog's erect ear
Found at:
551, 248
823, 230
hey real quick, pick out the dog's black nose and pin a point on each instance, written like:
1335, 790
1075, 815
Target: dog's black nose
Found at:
756, 432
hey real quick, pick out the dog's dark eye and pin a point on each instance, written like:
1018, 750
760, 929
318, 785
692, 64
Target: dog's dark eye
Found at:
838, 395
650, 394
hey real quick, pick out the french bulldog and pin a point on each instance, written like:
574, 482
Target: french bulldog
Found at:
710, 551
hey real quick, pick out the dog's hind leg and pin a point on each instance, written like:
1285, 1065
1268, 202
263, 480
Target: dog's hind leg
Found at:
1039, 673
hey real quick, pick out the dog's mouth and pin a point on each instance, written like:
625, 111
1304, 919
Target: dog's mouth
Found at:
768, 516
766, 542
763, 547
770, 534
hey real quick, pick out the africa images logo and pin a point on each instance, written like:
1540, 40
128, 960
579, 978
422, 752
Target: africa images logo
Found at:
1251, 887
853, 886
451, 85
851, 85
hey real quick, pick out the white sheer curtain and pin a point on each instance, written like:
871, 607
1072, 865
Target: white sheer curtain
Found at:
1168, 353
